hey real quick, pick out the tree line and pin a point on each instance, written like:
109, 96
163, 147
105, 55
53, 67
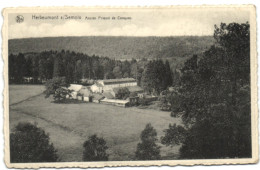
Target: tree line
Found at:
153, 75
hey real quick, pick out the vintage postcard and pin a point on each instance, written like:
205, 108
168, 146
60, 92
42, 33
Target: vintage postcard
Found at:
130, 86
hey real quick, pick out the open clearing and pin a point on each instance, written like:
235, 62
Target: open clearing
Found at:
18, 93
69, 125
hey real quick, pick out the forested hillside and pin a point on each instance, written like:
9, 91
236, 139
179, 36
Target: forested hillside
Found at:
77, 67
117, 47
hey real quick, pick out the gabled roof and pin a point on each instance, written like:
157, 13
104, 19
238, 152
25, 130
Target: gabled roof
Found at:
108, 95
85, 91
75, 87
98, 96
99, 84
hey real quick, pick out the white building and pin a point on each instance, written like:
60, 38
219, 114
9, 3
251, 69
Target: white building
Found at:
107, 85
75, 89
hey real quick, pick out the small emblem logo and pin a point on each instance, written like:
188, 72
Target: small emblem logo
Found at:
19, 19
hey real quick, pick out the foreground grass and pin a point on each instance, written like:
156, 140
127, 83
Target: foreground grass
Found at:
69, 125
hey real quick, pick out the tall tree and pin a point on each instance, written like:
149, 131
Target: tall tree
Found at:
168, 74
58, 66
148, 149
117, 72
28, 67
19, 68
95, 149
78, 71
11, 68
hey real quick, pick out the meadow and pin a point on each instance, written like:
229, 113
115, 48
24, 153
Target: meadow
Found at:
69, 125
18, 93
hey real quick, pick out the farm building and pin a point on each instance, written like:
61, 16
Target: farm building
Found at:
104, 91
115, 102
136, 89
105, 85
97, 88
86, 94
75, 89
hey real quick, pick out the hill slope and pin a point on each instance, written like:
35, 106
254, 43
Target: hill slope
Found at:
117, 47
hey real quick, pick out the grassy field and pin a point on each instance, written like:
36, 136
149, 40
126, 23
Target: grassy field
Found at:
18, 93
69, 125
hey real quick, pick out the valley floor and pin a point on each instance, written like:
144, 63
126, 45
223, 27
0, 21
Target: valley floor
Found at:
69, 125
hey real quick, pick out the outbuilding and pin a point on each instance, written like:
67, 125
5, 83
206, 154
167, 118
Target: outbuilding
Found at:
115, 102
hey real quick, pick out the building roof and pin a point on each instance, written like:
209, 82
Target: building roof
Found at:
118, 81
98, 84
85, 91
108, 95
135, 89
114, 101
97, 96
75, 87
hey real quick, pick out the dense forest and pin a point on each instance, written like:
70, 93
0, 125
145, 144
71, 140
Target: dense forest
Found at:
175, 49
154, 75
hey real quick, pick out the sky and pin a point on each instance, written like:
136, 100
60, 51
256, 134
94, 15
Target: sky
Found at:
149, 22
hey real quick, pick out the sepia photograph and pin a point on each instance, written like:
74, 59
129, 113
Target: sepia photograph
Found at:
95, 87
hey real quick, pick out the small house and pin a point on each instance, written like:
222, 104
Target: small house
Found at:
75, 88
86, 94
97, 88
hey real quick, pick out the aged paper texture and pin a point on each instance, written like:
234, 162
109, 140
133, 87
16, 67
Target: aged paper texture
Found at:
130, 86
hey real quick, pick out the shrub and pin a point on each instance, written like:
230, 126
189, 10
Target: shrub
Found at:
143, 102
28, 143
147, 149
60, 94
123, 93
95, 149
57, 88
175, 135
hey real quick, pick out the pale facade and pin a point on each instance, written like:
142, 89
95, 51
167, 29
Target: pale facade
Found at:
107, 85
